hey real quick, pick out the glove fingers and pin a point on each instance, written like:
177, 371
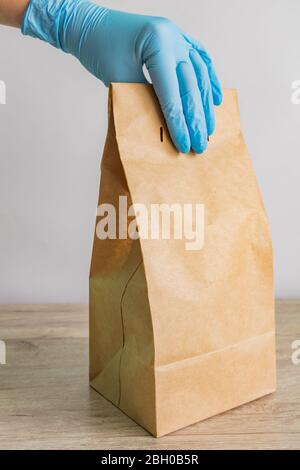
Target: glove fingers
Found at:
165, 82
205, 90
215, 83
192, 106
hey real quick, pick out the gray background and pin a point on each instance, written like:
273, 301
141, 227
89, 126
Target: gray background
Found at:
53, 126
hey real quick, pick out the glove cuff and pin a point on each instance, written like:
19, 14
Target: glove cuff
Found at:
59, 22
42, 19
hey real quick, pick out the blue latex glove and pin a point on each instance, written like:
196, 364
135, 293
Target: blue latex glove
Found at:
114, 46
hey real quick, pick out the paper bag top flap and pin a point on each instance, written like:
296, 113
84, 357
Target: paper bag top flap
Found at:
142, 130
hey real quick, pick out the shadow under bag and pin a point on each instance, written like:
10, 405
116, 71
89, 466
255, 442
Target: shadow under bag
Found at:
179, 335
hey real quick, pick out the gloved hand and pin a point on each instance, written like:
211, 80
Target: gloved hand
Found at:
114, 46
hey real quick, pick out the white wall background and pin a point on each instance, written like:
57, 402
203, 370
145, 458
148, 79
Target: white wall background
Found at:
53, 126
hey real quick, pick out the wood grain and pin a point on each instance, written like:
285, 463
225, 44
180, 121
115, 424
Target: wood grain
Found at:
46, 402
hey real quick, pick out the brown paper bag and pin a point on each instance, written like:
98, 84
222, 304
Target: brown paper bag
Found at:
177, 334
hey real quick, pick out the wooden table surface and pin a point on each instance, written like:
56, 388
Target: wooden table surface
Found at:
46, 402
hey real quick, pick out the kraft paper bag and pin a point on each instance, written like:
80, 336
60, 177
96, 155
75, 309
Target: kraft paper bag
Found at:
179, 334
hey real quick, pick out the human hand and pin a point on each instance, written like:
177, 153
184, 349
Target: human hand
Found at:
114, 46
